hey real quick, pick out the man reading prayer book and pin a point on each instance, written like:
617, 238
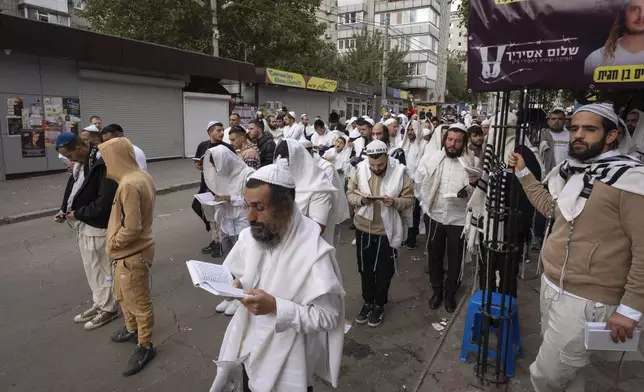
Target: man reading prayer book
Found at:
290, 327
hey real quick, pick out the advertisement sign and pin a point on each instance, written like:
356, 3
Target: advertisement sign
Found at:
283, 78
320, 84
33, 144
575, 44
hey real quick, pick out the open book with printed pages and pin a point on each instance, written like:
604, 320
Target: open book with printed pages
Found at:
368, 197
214, 278
208, 199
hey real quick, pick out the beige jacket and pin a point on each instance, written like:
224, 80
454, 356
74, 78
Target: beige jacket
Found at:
130, 227
606, 255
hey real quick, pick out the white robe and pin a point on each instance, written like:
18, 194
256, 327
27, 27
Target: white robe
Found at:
340, 202
295, 131
306, 335
412, 151
327, 139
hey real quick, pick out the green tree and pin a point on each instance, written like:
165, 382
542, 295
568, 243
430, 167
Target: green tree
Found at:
282, 34
363, 62
456, 83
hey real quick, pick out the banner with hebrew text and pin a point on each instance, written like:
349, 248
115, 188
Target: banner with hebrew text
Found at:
575, 44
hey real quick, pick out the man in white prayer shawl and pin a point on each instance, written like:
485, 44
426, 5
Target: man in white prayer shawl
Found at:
292, 130
225, 175
290, 327
339, 155
445, 190
315, 195
593, 258
635, 126
308, 128
411, 146
383, 196
322, 139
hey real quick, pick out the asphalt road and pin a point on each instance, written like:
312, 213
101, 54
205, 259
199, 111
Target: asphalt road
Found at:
43, 285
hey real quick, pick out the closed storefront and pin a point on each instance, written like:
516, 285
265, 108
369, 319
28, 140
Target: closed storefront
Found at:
150, 110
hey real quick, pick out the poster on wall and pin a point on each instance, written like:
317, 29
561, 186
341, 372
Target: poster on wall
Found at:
14, 125
72, 114
54, 119
246, 113
33, 143
576, 44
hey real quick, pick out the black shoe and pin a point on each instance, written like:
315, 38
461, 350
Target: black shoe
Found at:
139, 359
536, 243
208, 249
436, 300
216, 251
363, 316
123, 335
376, 316
352, 227
450, 302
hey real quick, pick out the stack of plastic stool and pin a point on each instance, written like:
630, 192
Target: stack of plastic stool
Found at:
511, 332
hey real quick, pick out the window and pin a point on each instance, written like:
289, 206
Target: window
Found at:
417, 69
340, 44
79, 4
418, 15
352, 17
352, 43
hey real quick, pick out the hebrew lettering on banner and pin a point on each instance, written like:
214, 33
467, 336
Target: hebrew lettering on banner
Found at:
555, 44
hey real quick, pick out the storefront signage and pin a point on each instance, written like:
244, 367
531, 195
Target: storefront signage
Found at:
404, 94
283, 78
321, 84
572, 44
396, 93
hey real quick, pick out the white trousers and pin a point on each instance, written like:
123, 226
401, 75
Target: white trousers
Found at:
98, 271
563, 353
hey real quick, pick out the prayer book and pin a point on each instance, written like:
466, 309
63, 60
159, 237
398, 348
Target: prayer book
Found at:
368, 197
208, 199
214, 278
597, 337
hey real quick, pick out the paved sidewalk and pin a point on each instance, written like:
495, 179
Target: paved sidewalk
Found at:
447, 373
35, 197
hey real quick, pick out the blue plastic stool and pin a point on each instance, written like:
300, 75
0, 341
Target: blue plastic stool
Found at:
511, 331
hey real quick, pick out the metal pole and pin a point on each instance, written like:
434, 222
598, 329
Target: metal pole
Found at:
215, 30
385, 55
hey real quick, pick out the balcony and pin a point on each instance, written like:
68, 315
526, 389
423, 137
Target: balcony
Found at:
53, 5
421, 82
393, 5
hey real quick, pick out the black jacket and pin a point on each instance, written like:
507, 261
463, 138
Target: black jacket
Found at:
266, 147
93, 202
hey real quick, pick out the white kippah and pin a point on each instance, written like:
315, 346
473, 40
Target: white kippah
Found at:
603, 109
389, 122
459, 126
92, 128
291, 114
486, 122
376, 147
306, 143
212, 123
276, 174
354, 134
427, 132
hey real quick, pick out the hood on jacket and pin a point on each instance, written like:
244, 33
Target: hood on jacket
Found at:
118, 155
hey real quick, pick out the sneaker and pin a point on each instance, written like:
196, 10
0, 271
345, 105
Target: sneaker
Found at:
86, 315
353, 242
223, 306
376, 316
363, 316
208, 248
101, 319
232, 308
123, 335
141, 357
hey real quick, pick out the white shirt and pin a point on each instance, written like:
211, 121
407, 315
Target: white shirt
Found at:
325, 140
77, 184
226, 138
295, 131
622, 57
451, 210
316, 207
561, 141
140, 158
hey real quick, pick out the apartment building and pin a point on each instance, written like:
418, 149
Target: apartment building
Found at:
414, 26
62, 12
457, 34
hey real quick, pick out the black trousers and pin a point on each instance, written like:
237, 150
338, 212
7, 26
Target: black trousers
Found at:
412, 232
507, 273
246, 389
444, 238
376, 264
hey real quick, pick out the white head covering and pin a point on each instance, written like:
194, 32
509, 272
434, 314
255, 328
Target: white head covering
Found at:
302, 116
459, 126
486, 122
354, 134
638, 134
369, 120
389, 122
351, 120
276, 174
212, 123
226, 174
412, 149
308, 176
376, 147
427, 131
605, 110
292, 114
92, 128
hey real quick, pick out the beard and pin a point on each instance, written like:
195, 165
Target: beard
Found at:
452, 154
591, 150
634, 32
379, 173
269, 234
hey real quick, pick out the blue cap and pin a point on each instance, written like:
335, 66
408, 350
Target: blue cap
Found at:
64, 139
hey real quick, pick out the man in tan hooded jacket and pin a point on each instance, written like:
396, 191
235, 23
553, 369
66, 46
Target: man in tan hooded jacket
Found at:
130, 245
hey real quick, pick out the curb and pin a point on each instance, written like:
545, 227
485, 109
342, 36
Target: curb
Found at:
25, 216
434, 354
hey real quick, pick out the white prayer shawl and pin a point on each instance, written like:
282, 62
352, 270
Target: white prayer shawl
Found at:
327, 139
227, 177
309, 130
433, 173
391, 185
638, 136
572, 193
413, 153
340, 203
288, 276
277, 134
358, 146
295, 131
339, 160
309, 180
226, 138
431, 147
